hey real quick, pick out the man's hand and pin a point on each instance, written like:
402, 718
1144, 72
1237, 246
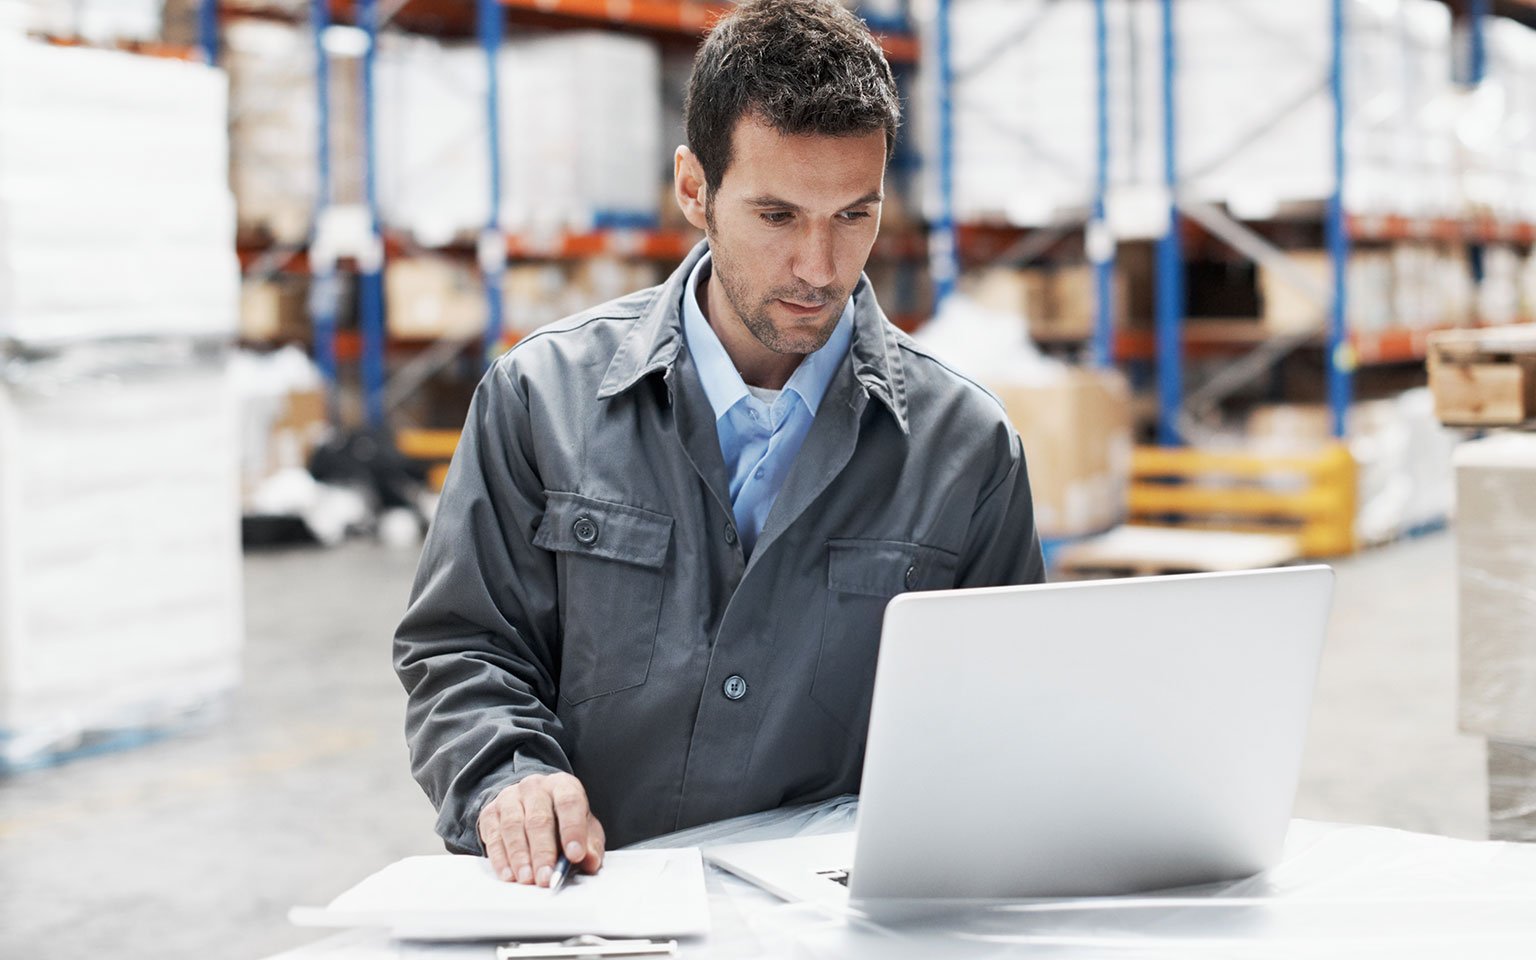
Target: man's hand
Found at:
527, 825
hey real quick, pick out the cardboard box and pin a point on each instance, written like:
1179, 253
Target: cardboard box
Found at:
274, 310
1077, 444
1496, 573
430, 297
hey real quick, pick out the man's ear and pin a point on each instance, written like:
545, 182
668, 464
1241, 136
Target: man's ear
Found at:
688, 186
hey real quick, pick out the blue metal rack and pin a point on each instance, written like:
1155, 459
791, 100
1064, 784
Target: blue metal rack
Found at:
1099, 235
1170, 255
324, 293
493, 243
943, 244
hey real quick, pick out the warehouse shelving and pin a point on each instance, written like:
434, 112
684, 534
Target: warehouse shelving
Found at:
679, 21
1345, 349
1171, 340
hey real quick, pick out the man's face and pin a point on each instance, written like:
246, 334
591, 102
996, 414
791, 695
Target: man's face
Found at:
790, 228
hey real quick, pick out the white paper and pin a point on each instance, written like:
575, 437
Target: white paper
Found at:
649, 893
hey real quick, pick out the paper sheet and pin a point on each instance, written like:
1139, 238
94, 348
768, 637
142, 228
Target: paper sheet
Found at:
649, 893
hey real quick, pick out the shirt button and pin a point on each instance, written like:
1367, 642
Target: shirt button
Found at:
758, 473
585, 529
735, 687
730, 535
911, 576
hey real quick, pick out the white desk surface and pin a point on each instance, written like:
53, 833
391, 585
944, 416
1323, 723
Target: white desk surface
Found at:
1344, 892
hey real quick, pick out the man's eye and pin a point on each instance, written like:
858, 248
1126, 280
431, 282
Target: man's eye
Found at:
851, 215
777, 217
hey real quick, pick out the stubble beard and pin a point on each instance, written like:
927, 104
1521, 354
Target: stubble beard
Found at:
754, 315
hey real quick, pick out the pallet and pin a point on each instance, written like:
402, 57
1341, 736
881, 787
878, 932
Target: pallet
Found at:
1146, 551
1309, 496
1484, 378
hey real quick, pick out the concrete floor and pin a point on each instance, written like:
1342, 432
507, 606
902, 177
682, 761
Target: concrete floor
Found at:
196, 846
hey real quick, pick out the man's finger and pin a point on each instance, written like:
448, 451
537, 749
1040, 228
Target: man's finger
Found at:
490, 838
539, 826
514, 838
597, 843
572, 814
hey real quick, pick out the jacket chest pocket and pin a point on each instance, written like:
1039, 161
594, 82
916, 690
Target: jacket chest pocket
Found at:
862, 577
610, 563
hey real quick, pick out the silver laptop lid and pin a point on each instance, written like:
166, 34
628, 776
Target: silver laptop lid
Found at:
1087, 738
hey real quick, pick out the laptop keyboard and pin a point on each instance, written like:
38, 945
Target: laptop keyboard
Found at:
836, 876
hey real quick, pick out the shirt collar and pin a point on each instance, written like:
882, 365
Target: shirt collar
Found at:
722, 381
653, 343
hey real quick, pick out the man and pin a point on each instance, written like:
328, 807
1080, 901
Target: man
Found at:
652, 593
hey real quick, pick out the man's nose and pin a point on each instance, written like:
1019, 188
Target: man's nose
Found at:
814, 263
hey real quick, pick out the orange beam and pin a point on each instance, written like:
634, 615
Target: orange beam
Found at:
1479, 229
144, 48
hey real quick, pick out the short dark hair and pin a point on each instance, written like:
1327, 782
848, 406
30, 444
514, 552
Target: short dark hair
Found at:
802, 66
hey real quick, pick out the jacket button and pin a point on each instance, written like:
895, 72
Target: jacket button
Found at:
585, 529
911, 577
735, 687
730, 534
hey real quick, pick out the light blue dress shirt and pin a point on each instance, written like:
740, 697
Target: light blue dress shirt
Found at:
758, 439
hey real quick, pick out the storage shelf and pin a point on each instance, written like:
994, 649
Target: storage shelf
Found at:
664, 19
1224, 338
1481, 230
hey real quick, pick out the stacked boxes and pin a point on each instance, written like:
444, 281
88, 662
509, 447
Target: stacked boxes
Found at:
1496, 548
1076, 430
115, 215
273, 128
119, 516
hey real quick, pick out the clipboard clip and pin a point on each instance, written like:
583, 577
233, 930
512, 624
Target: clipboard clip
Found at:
586, 946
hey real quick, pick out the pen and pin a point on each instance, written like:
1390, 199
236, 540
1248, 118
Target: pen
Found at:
557, 879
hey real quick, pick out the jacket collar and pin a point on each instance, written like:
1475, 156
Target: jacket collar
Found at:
652, 345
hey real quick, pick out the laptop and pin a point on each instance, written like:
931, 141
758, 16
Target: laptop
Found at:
1073, 739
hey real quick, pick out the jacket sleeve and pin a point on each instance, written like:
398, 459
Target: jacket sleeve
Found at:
478, 649
1002, 547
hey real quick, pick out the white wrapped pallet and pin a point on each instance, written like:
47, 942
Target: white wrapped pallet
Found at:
582, 113
1498, 134
1496, 556
1255, 112
1024, 107
95, 21
132, 241
565, 100
433, 164
120, 602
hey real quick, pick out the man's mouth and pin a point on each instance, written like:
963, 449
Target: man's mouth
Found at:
801, 309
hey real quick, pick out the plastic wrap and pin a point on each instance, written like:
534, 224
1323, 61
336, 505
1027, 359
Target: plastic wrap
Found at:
120, 594
1339, 892
1511, 791
1496, 548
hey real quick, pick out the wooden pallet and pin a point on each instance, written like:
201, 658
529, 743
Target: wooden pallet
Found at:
1484, 378
1309, 496
1144, 551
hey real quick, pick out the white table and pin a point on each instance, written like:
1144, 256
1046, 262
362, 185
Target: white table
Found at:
1345, 892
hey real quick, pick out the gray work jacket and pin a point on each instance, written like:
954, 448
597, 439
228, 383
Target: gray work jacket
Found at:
583, 603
